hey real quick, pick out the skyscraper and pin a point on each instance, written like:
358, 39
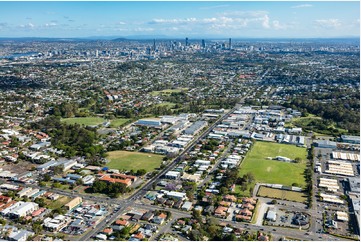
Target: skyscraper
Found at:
154, 45
187, 42
230, 43
203, 44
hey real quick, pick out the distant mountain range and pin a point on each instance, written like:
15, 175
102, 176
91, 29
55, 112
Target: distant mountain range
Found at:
163, 37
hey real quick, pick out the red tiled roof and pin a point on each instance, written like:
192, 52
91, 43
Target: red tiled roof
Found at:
121, 222
108, 230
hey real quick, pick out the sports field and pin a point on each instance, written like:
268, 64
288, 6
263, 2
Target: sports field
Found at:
272, 171
282, 194
133, 160
84, 120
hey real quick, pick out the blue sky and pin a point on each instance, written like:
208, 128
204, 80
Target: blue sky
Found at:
204, 19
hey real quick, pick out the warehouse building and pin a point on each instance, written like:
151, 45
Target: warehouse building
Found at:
339, 168
153, 123
325, 144
195, 127
329, 184
350, 139
331, 198
73, 203
345, 156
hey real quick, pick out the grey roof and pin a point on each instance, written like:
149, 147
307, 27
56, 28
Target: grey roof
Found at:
194, 127
271, 215
354, 184
325, 142
20, 234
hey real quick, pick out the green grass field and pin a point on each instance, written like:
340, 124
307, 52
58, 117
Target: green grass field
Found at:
282, 194
272, 171
84, 120
115, 123
133, 160
58, 203
95, 121
168, 104
167, 92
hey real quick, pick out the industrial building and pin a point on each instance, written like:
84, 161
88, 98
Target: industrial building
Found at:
329, 184
325, 144
345, 156
153, 123
73, 203
350, 139
339, 168
331, 198
195, 127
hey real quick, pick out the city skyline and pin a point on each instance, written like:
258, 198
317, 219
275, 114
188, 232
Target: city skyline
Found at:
242, 19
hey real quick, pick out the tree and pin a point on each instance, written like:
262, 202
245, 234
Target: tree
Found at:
58, 169
56, 185
46, 177
298, 159
2, 221
79, 182
14, 142
141, 172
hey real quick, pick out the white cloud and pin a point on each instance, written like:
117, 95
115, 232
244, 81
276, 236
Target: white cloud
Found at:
27, 26
328, 23
51, 24
140, 29
265, 22
173, 21
302, 6
277, 25
121, 23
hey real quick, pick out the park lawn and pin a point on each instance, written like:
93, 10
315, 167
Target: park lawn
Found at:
115, 123
58, 203
125, 160
84, 120
167, 92
168, 104
282, 194
272, 171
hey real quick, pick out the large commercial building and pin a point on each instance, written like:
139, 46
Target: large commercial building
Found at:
350, 139
195, 127
24, 209
339, 168
154, 123
325, 144
73, 203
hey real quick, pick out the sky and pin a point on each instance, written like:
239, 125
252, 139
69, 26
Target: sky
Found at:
205, 19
